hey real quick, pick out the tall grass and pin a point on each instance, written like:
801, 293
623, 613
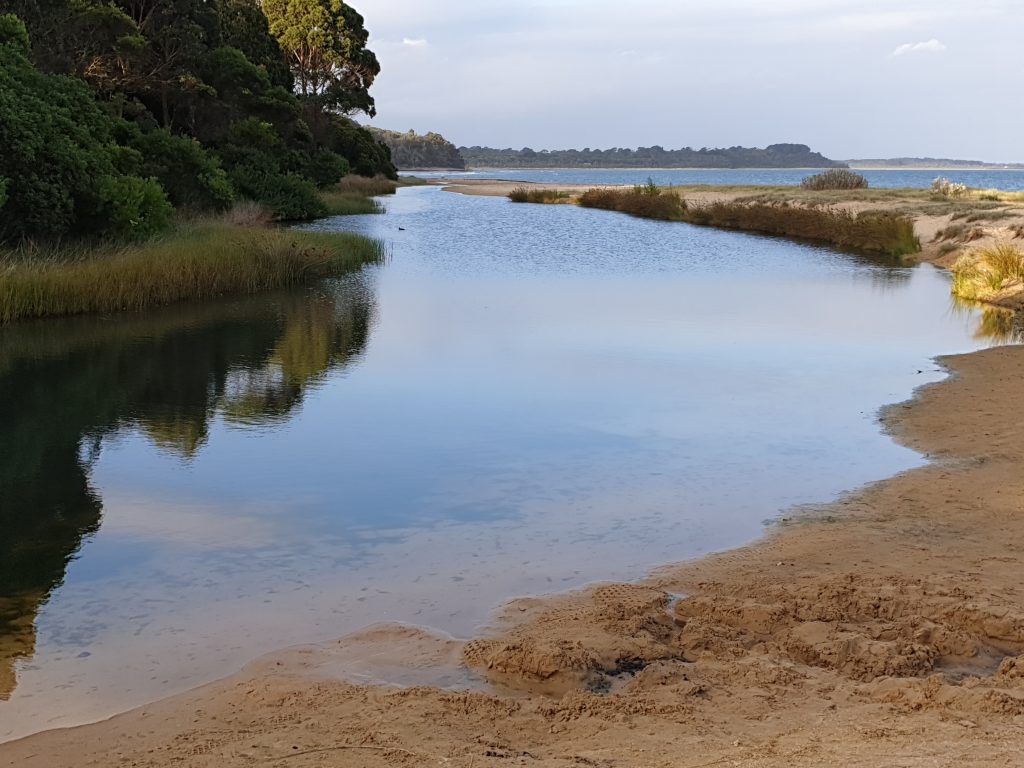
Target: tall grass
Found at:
877, 231
647, 202
835, 178
365, 186
527, 195
349, 203
986, 272
197, 261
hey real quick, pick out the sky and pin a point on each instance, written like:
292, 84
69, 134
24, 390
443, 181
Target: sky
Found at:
851, 78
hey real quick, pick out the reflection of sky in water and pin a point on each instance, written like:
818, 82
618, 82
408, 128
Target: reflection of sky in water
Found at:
548, 396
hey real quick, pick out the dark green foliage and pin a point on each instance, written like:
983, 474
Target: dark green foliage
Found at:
133, 207
325, 41
59, 155
244, 26
774, 156
325, 168
366, 155
835, 178
194, 94
290, 196
411, 150
193, 178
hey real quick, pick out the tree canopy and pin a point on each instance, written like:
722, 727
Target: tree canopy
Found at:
114, 110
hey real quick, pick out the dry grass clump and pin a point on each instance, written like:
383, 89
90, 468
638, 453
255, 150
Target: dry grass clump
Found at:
877, 231
987, 272
527, 195
248, 213
949, 189
649, 202
367, 187
835, 178
197, 261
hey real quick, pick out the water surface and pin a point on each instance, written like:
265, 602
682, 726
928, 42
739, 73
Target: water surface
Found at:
524, 399
1007, 180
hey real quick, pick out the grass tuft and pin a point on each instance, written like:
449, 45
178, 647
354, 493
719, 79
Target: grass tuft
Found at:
365, 186
197, 261
527, 195
648, 202
877, 231
835, 178
986, 272
349, 203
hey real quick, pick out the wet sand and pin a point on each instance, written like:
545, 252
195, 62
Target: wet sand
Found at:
883, 629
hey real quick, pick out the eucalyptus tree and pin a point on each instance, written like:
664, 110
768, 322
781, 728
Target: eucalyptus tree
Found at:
325, 41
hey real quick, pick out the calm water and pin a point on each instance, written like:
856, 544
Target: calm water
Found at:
1010, 181
525, 399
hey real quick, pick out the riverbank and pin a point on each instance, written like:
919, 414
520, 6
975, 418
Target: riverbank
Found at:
196, 261
883, 629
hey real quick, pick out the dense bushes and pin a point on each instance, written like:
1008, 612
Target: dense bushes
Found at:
125, 109
60, 158
836, 178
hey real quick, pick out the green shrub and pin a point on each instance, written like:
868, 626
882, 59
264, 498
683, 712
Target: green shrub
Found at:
192, 177
835, 178
133, 207
326, 168
289, 196
56, 148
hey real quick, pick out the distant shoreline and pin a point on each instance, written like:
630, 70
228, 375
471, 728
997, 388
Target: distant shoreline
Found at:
478, 169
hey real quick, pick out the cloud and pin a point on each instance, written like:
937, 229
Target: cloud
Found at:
418, 42
931, 46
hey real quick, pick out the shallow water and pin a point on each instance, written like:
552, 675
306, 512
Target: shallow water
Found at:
524, 399
1009, 181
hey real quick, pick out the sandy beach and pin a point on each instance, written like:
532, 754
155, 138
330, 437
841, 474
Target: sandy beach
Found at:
880, 630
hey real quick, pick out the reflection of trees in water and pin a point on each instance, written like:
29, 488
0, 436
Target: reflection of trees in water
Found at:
64, 385
996, 325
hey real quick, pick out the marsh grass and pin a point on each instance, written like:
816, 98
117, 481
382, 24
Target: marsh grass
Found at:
349, 203
648, 202
876, 231
986, 272
197, 261
835, 178
527, 195
365, 186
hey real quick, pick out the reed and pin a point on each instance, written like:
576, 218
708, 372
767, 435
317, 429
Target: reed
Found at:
877, 231
648, 202
835, 178
527, 195
197, 261
366, 186
986, 272
349, 203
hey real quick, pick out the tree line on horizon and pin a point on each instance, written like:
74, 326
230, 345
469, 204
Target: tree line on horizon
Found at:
116, 113
773, 156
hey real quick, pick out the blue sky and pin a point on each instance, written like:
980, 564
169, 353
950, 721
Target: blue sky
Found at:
852, 78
